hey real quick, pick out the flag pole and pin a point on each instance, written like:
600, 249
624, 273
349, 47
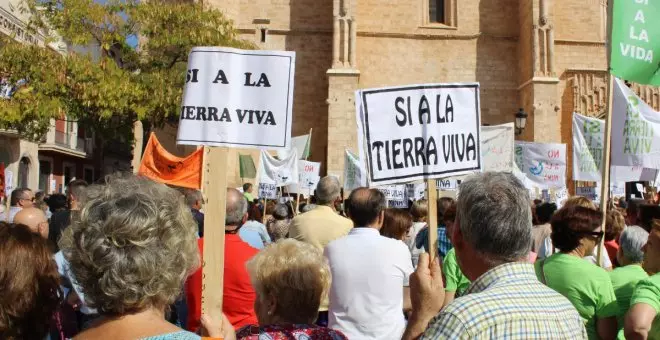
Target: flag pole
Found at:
432, 218
605, 182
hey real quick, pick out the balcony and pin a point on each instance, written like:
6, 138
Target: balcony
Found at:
67, 143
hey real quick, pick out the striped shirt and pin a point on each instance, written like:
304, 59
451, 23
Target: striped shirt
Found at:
508, 302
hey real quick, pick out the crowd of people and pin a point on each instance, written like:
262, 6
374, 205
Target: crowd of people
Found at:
121, 260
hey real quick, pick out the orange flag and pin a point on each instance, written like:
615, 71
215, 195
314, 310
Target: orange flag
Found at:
161, 166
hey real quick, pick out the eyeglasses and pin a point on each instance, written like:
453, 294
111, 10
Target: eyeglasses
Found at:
596, 234
31, 199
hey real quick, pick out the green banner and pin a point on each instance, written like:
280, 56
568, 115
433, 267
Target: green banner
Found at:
246, 166
636, 41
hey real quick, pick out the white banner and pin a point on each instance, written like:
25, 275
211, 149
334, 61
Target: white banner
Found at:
618, 190
9, 182
588, 142
544, 164
393, 192
278, 172
447, 184
416, 191
419, 132
268, 191
588, 192
561, 196
497, 147
300, 144
354, 174
635, 130
402, 204
237, 98
308, 177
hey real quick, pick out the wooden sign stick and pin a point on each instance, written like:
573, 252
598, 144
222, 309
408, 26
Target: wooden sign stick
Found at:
263, 217
432, 218
214, 188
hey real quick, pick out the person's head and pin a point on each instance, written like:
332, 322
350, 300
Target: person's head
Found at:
652, 250
29, 282
281, 212
420, 210
493, 223
576, 227
648, 213
35, 219
236, 214
133, 245
194, 199
22, 197
290, 278
366, 208
443, 204
631, 244
632, 210
396, 224
254, 212
56, 202
614, 225
76, 192
579, 201
449, 219
544, 212
247, 187
328, 191
307, 207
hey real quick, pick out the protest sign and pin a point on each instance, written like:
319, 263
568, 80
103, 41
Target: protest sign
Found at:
588, 192
447, 184
278, 171
632, 174
588, 138
394, 192
561, 196
400, 204
419, 132
416, 191
302, 144
354, 174
618, 189
308, 177
636, 41
268, 191
161, 166
544, 164
497, 147
9, 182
635, 130
237, 98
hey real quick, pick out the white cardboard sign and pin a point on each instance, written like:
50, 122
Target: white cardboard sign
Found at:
237, 98
544, 164
497, 147
268, 191
419, 132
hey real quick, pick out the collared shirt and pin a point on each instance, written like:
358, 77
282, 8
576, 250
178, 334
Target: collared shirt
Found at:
508, 302
369, 272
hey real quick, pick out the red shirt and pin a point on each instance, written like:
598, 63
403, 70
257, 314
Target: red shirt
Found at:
612, 247
238, 295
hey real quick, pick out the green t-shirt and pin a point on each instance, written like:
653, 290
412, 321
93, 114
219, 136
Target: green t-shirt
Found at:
624, 280
248, 197
648, 291
586, 285
455, 281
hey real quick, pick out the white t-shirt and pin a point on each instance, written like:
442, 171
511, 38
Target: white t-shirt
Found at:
369, 272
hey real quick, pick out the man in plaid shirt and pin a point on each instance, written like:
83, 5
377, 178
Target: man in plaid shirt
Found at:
492, 238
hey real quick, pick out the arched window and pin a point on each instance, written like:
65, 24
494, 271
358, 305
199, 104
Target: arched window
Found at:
23, 172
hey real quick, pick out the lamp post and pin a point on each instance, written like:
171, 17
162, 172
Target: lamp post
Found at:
521, 121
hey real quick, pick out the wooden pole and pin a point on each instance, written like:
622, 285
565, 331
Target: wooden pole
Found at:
295, 211
214, 187
605, 182
263, 217
432, 219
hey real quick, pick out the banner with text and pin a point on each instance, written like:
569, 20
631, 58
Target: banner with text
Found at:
395, 195
237, 98
497, 147
635, 130
279, 172
268, 191
308, 177
354, 174
419, 132
588, 141
544, 164
416, 191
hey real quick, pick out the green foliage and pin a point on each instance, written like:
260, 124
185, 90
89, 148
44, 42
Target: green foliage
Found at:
109, 85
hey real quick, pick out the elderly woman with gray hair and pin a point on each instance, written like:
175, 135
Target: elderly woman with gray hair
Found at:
624, 279
130, 251
278, 225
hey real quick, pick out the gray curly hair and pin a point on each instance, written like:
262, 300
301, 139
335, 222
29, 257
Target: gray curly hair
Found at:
133, 245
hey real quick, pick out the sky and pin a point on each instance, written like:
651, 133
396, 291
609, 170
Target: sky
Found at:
130, 40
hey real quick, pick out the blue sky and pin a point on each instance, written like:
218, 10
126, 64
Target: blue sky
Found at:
130, 40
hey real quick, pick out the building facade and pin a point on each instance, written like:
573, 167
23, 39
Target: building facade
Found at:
547, 57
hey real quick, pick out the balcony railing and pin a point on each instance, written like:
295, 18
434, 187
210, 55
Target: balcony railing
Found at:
62, 138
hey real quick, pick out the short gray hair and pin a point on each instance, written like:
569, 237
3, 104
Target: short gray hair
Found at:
308, 207
193, 196
328, 190
281, 212
236, 207
631, 241
494, 216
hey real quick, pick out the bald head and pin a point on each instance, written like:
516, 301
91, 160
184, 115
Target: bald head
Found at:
236, 208
35, 219
365, 207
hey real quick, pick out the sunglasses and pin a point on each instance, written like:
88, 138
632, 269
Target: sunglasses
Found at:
596, 234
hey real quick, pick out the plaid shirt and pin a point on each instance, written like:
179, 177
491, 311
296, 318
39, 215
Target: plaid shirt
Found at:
508, 302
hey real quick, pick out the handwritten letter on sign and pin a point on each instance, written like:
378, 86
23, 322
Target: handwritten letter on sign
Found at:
419, 132
545, 164
237, 98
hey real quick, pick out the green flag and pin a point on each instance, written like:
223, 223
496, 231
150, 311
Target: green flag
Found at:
636, 41
246, 165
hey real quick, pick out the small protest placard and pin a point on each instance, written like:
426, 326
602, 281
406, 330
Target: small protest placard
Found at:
268, 191
419, 132
237, 98
588, 192
416, 191
447, 184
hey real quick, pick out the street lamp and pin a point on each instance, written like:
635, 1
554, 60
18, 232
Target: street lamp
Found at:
521, 121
